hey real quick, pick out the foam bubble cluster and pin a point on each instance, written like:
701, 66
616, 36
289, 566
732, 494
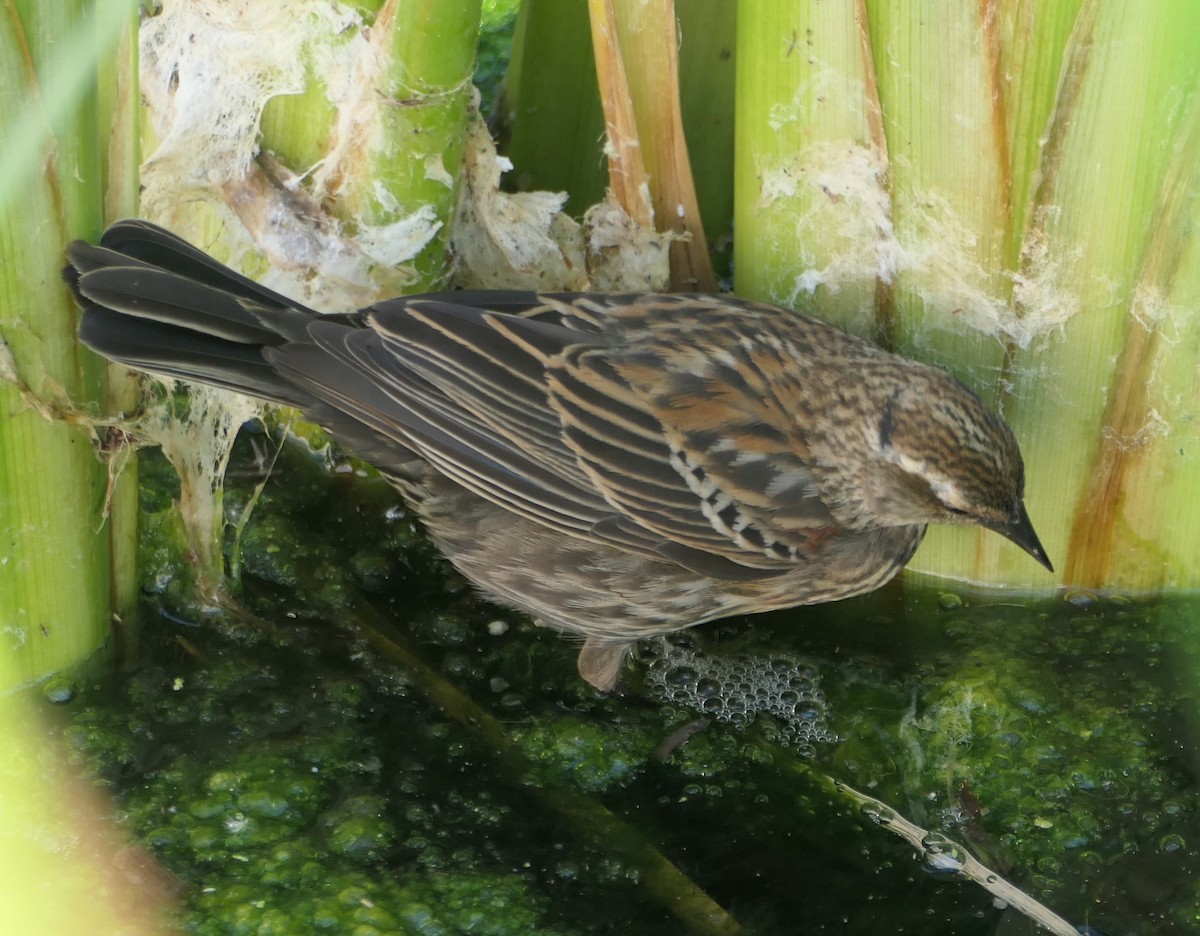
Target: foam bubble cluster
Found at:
734, 689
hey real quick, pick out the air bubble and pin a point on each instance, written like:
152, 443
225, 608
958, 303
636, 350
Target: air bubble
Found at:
680, 676
878, 813
735, 689
59, 690
942, 856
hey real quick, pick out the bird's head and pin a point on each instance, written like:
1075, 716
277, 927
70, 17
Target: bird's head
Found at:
938, 455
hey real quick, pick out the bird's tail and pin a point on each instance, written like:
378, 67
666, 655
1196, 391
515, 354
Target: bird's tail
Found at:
154, 302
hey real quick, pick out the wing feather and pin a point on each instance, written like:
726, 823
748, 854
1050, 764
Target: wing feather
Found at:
542, 413
461, 452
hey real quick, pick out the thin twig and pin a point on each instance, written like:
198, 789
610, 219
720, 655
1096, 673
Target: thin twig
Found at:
951, 856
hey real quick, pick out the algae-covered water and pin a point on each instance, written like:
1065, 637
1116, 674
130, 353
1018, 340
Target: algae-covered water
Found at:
369, 748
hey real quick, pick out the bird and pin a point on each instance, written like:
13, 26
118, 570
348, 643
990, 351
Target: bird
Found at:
617, 466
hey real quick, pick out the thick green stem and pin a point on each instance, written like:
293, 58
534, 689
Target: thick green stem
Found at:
551, 107
1117, 210
412, 142
59, 590
812, 204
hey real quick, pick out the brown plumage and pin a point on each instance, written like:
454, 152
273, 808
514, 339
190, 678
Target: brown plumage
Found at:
617, 466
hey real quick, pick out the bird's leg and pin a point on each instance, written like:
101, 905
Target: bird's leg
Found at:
600, 661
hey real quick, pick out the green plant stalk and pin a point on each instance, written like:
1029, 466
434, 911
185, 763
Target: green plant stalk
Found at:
552, 114
1032, 37
1152, 534
1119, 200
649, 46
707, 31
551, 108
57, 586
411, 157
810, 158
859, 195
944, 99
950, 178
1090, 235
65, 865
1032, 40
295, 127
119, 116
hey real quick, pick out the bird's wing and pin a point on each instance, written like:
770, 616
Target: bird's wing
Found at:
698, 396
502, 404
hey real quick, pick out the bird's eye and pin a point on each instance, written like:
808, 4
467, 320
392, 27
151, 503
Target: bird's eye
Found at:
956, 511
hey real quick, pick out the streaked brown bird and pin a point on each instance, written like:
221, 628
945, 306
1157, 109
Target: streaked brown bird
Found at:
618, 466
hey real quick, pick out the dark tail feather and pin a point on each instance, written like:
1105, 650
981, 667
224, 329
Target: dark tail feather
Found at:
154, 302
157, 247
188, 355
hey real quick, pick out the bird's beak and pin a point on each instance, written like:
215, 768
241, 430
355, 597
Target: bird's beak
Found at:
1020, 531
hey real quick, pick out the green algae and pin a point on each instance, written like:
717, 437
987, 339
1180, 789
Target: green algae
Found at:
290, 777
